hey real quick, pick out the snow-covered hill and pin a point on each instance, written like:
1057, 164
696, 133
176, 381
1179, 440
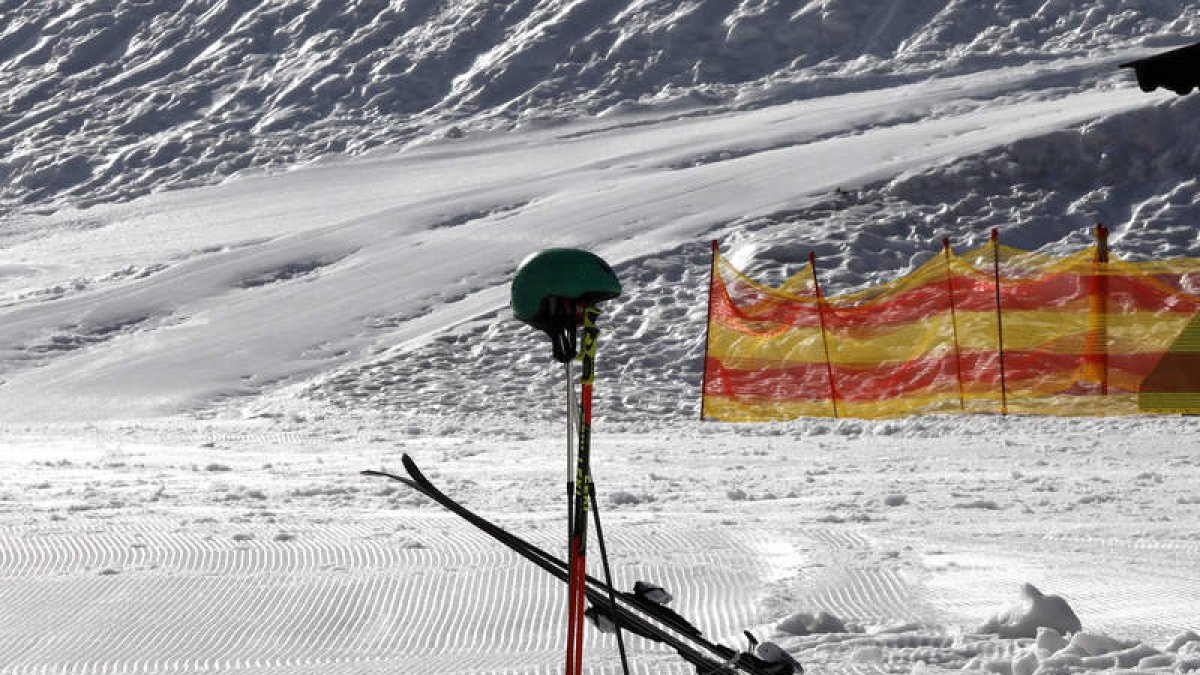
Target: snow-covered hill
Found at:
109, 99
174, 302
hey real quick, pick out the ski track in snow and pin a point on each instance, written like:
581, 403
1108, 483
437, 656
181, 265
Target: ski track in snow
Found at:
352, 596
865, 593
343, 595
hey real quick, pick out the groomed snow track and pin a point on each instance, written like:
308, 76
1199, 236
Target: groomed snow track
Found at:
413, 592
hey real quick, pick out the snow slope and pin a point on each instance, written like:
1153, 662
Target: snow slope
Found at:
109, 99
284, 289
197, 355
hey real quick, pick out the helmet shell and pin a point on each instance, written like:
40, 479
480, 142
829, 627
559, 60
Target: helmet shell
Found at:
569, 273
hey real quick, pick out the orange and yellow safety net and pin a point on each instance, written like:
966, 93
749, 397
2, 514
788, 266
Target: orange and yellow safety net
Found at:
993, 330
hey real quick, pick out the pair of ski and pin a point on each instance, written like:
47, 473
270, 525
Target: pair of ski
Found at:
629, 611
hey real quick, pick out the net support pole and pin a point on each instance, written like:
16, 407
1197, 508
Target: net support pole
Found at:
712, 276
1096, 345
833, 394
962, 401
999, 320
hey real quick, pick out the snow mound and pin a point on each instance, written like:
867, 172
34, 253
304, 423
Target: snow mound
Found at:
1022, 641
914, 650
1050, 653
805, 623
1035, 611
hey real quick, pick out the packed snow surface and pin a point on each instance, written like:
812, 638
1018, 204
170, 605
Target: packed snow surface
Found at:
251, 248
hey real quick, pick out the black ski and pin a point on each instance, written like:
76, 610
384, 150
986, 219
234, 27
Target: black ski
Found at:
654, 622
660, 613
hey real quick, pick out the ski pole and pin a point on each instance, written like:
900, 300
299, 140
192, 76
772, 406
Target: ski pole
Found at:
612, 594
556, 291
577, 558
574, 626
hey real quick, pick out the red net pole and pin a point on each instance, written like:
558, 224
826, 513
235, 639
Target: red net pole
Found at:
1096, 346
712, 276
833, 395
962, 404
999, 320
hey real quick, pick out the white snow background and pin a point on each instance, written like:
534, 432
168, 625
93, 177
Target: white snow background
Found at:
250, 248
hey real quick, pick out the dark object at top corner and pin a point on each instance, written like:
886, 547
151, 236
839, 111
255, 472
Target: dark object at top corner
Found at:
1177, 70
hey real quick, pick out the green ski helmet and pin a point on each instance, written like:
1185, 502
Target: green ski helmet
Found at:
552, 285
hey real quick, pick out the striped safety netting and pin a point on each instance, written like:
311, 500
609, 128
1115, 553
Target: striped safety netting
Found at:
993, 330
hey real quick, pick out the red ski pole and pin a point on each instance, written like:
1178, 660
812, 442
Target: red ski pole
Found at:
556, 291
577, 560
